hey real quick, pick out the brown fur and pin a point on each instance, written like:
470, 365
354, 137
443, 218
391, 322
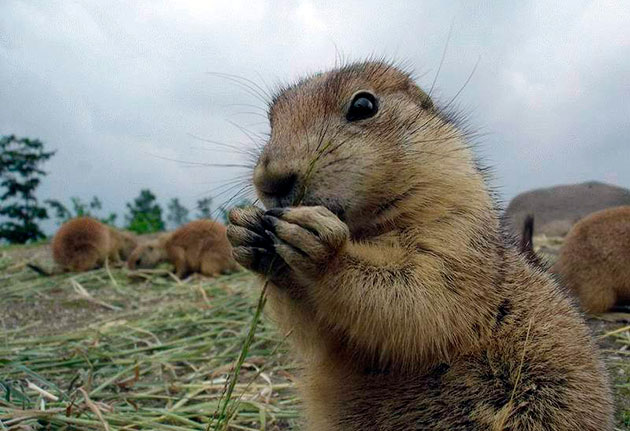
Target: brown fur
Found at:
409, 309
149, 254
199, 246
82, 244
594, 262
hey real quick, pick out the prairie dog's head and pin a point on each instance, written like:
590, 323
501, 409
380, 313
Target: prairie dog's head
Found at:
147, 255
128, 243
363, 140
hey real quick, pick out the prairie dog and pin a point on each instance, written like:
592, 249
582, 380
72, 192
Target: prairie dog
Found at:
149, 254
199, 246
84, 243
594, 262
409, 307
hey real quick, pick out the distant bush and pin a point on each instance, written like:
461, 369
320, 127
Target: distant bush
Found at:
145, 214
204, 208
80, 209
177, 213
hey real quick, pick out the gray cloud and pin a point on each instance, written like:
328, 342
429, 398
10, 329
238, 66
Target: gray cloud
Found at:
116, 87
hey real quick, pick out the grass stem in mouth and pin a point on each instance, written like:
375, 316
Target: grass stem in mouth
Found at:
222, 416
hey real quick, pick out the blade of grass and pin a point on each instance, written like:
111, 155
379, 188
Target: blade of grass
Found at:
220, 425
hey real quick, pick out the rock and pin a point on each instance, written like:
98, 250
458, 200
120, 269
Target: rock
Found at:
557, 208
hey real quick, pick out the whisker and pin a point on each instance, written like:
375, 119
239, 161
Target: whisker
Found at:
220, 144
448, 39
249, 134
203, 164
240, 177
472, 72
250, 155
246, 83
249, 91
268, 90
222, 187
246, 105
223, 207
232, 187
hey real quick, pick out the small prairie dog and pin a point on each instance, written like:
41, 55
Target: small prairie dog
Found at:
409, 308
199, 246
594, 261
84, 243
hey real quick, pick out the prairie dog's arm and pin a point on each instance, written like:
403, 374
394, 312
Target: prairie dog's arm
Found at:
391, 303
396, 304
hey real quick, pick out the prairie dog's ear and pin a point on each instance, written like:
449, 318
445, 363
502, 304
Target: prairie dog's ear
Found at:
421, 97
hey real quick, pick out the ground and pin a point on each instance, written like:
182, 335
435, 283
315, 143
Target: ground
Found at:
118, 350
103, 350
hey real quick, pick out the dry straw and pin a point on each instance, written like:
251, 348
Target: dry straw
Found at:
103, 350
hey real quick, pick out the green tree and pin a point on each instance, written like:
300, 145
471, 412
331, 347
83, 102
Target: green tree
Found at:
20, 175
225, 210
177, 213
62, 213
145, 214
80, 209
204, 209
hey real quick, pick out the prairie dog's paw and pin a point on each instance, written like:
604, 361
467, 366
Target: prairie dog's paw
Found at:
307, 238
252, 247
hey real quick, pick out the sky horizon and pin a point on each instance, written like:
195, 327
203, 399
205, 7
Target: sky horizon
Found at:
135, 94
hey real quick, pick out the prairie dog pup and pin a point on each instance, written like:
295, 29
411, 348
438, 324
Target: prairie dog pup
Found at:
594, 261
83, 243
409, 308
149, 254
199, 246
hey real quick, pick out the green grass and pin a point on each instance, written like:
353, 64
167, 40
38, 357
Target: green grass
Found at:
148, 354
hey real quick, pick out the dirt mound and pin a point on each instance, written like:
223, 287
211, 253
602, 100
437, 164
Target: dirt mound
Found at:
557, 208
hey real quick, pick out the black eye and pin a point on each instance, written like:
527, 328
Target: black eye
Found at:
364, 105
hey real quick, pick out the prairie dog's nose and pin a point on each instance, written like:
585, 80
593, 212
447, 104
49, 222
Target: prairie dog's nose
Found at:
278, 188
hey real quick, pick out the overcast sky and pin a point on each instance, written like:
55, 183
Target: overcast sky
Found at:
117, 87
